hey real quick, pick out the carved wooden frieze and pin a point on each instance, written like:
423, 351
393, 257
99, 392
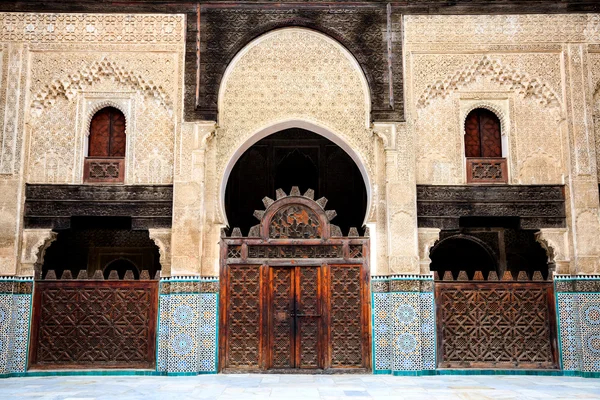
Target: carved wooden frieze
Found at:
537, 206
52, 206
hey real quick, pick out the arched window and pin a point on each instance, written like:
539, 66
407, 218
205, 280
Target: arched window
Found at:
482, 134
483, 148
106, 151
107, 133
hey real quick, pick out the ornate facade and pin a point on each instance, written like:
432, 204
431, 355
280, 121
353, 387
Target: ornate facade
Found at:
432, 230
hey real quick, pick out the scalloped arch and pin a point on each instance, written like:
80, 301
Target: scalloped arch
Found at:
69, 86
520, 82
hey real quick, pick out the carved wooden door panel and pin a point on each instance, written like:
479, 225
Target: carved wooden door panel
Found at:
244, 322
308, 317
295, 319
282, 329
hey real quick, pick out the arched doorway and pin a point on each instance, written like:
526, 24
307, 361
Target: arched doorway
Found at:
296, 157
293, 284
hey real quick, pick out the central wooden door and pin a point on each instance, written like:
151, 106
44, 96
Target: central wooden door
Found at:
295, 317
294, 292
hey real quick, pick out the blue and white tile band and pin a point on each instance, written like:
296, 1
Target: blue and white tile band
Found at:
403, 324
15, 322
188, 325
578, 315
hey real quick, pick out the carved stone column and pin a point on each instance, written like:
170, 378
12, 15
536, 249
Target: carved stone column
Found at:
427, 238
34, 244
401, 197
188, 198
162, 239
582, 186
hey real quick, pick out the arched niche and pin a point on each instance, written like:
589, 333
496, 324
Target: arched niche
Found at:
462, 253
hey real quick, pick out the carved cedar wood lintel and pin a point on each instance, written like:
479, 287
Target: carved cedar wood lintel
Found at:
52, 206
539, 206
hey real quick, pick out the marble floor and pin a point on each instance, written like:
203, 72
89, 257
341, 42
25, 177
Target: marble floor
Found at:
299, 387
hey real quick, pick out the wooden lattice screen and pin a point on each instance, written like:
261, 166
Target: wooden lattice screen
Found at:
496, 324
94, 324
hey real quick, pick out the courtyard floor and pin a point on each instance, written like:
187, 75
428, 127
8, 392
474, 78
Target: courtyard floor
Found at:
299, 387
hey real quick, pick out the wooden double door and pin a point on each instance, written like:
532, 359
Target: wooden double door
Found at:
306, 318
295, 318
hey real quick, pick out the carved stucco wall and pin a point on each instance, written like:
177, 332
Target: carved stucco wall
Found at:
134, 63
539, 74
56, 70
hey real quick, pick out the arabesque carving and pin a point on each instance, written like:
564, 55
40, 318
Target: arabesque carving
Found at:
69, 86
493, 69
318, 81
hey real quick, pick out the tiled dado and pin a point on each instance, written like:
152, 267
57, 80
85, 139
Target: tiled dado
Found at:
403, 324
187, 325
15, 316
578, 309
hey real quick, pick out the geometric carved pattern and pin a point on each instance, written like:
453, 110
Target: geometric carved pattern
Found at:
497, 72
296, 251
103, 170
308, 317
95, 324
282, 308
538, 206
224, 31
346, 321
89, 74
487, 170
243, 322
495, 325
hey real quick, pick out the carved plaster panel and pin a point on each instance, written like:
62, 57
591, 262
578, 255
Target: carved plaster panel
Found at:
33, 248
162, 239
556, 243
529, 109
427, 238
92, 28
293, 74
75, 85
